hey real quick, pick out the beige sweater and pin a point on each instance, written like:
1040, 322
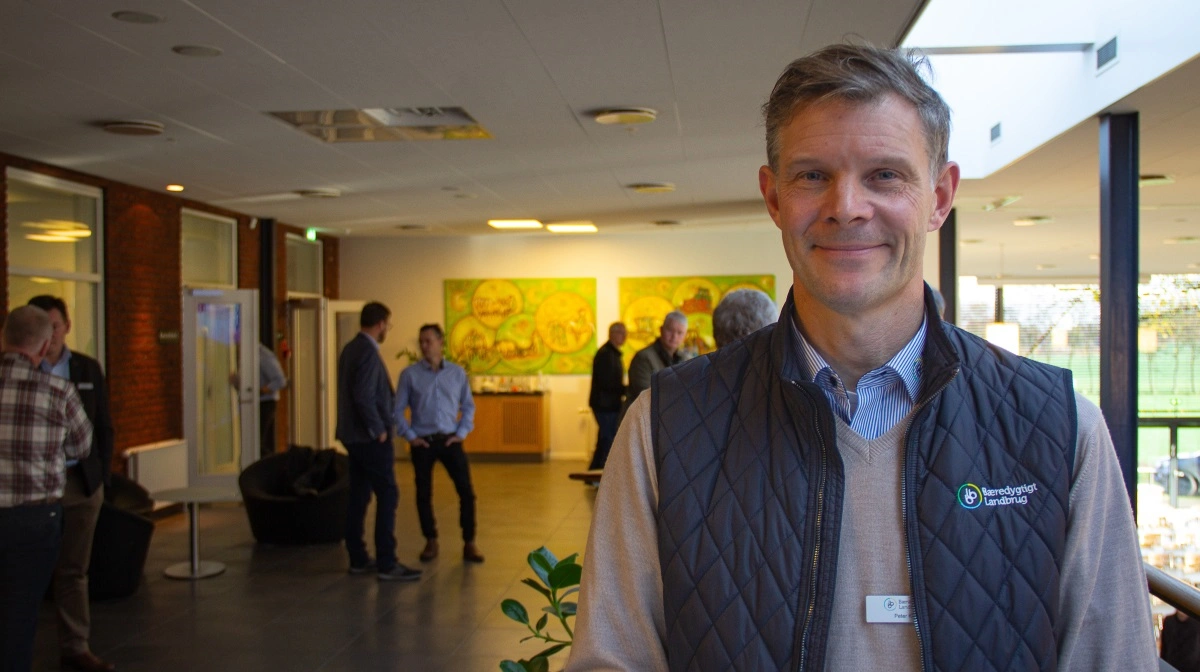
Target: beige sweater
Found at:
1105, 604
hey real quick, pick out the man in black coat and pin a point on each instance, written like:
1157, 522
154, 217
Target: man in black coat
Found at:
365, 428
608, 392
83, 494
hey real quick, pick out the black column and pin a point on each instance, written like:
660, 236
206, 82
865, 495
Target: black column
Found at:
266, 282
1118, 287
948, 265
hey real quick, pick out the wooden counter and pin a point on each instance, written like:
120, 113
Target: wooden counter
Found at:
510, 426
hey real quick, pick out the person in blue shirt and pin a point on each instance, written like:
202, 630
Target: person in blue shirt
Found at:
437, 395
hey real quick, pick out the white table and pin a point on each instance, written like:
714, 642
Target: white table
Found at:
192, 497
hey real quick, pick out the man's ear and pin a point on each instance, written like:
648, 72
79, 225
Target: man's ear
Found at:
943, 195
66, 327
766, 185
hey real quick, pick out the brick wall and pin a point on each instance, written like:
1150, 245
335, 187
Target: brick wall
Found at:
143, 298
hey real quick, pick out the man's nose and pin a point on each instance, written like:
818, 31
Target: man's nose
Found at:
846, 201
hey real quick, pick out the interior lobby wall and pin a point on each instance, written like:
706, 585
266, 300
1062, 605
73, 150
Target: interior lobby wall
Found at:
407, 274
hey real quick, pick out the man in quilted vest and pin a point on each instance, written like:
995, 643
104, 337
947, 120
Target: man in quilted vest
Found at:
861, 486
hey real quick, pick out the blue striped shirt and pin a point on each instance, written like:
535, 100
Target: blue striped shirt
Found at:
435, 399
884, 396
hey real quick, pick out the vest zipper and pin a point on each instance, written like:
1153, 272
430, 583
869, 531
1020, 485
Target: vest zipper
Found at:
812, 582
904, 511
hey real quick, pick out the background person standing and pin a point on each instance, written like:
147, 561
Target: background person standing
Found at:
435, 392
83, 492
364, 426
660, 354
271, 380
608, 392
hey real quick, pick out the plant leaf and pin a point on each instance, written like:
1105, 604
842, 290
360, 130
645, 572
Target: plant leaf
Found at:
537, 586
511, 666
542, 622
570, 559
551, 651
568, 608
538, 664
565, 576
515, 610
569, 592
542, 561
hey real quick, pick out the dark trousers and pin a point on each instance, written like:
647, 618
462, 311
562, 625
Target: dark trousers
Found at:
455, 461
266, 427
607, 422
372, 469
29, 541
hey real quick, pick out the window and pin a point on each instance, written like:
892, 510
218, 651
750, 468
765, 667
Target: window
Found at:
305, 272
55, 247
209, 250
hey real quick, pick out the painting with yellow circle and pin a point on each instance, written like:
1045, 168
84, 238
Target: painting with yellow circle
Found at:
646, 301
522, 325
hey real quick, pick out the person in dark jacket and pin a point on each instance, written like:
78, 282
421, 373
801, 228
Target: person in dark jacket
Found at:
861, 486
608, 392
83, 493
365, 428
663, 352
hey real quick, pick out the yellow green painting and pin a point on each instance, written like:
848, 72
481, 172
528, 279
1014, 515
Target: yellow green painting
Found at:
522, 326
646, 301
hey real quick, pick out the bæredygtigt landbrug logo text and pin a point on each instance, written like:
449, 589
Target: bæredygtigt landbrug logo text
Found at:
971, 496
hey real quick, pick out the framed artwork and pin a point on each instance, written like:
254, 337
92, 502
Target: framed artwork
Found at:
644, 302
521, 326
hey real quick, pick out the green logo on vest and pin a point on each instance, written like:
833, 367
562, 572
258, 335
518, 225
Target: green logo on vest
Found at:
970, 496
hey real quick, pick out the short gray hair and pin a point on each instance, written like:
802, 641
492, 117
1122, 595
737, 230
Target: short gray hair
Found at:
741, 313
675, 316
859, 74
27, 328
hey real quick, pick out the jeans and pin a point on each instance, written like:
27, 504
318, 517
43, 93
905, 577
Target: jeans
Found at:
607, 422
29, 541
372, 470
455, 461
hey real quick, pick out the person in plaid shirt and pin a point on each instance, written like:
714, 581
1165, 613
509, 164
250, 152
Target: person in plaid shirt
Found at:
42, 425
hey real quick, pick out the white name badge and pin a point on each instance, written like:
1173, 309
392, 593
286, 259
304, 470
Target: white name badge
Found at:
888, 609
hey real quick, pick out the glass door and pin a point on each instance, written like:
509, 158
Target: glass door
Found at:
308, 410
341, 326
220, 333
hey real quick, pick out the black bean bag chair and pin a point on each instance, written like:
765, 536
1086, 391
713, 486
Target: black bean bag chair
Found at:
297, 497
121, 542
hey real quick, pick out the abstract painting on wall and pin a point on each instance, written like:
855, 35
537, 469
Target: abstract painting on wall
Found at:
521, 326
645, 301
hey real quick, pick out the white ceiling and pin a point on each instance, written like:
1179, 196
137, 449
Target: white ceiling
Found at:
529, 71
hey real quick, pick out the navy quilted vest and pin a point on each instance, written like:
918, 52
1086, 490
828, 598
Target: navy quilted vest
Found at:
750, 493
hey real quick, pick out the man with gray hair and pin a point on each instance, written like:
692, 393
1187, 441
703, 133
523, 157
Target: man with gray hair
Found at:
42, 425
861, 486
663, 352
741, 313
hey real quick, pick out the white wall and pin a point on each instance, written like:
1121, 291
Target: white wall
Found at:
407, 274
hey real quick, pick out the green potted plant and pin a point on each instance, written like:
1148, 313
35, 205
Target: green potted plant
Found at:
556, 581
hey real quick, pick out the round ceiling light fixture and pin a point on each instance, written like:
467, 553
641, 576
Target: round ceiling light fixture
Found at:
667, 222
197, 50
652, 187
318, 193
133, 127
625, 116
142, 18
413, 227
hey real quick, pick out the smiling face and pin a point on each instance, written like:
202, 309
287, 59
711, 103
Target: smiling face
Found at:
854, 200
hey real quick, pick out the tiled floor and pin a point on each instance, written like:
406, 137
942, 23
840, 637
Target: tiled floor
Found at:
295, 608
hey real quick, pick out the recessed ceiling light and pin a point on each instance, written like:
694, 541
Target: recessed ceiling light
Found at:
413, 227
1033, 220
667, 222
174, 187
1181, 240
137, 17
1000, 203
625, 116
197, 50
572, 227
1045, 267
970, 241
49, 238
652, 187
132, 127
514, 224
319, 193
1154, 180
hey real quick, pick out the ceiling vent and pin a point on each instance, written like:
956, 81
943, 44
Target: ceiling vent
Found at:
652, 187
319, 193
133, 127
386, 124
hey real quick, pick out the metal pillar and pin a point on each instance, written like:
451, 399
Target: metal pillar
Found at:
948, 265
266, 282
1118, 288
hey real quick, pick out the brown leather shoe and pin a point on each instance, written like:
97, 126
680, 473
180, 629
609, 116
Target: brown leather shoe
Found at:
87, 662
471, 553
431, 550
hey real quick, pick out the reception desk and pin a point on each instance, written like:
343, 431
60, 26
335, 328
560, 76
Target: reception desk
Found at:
510, 426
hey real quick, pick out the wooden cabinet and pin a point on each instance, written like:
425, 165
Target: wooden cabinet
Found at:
510, 426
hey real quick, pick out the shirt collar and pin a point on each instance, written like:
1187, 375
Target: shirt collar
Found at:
906, 363
62, 361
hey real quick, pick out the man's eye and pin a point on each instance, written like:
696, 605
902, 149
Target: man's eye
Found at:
809, 176
887, 175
